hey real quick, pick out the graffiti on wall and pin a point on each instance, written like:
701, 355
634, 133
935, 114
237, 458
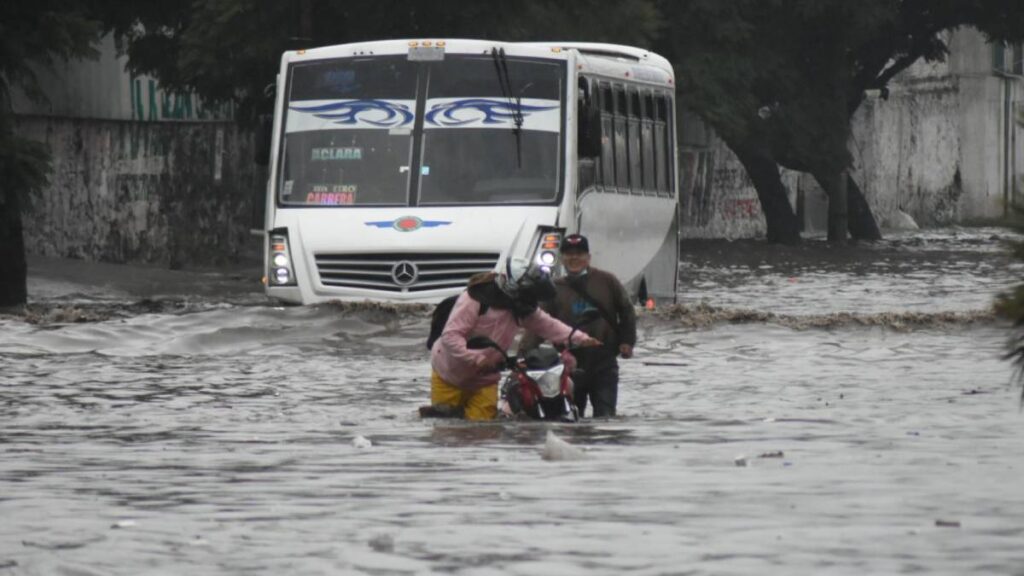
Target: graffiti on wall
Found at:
741, 208
151, 103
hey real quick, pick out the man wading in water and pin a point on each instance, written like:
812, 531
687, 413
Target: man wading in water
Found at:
585, 288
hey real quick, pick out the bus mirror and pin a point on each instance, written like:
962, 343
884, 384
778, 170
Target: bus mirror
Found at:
264, 134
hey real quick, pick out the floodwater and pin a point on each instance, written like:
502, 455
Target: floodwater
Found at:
208, 432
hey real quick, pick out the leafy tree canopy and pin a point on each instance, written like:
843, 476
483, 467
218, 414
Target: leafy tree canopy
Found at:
777, 69
34, 35
231, 49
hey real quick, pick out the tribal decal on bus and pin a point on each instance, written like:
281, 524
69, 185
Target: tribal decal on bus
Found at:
536, 114
408, 223
351, 114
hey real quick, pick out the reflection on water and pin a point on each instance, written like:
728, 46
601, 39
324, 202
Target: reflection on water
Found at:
220, 440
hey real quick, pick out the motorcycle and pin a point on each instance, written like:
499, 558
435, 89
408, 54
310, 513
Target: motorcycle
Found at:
538, 386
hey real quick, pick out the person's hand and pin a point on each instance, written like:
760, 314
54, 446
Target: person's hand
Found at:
590, 342
483, 363
625, 350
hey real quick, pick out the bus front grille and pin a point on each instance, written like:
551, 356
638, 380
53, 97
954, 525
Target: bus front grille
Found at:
402, 272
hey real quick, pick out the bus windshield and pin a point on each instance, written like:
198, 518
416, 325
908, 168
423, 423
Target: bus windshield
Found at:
491, 131
473, 153
349, 132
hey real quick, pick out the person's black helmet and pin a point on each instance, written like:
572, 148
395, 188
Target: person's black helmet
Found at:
525, 282
538, 284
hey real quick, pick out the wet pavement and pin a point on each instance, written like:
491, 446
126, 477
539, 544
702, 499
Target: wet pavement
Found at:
805, 410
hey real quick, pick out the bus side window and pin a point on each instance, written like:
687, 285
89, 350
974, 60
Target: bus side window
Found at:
607, 133
662, 143
619, 139
636, 184
647, 143
588, 134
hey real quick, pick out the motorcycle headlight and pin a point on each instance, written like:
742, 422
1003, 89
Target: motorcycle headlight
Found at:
550, 383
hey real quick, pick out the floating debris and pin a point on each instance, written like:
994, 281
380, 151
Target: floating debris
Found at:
556, 449
382, 543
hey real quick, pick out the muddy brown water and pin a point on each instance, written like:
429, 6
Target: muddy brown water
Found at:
770, 425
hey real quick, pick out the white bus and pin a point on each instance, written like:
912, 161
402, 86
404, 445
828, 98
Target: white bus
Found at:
401, 168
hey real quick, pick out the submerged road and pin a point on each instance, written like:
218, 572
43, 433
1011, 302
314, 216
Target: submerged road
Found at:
805, 411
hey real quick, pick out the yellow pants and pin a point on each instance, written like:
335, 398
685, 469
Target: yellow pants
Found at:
479, 404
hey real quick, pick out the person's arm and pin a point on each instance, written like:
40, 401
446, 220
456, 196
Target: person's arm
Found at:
531, 340
544, 325
627, 319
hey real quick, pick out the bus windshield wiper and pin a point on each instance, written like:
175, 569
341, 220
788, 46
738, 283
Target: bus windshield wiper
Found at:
515, 104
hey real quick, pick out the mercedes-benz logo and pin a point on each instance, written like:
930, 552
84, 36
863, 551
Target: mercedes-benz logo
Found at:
404, 273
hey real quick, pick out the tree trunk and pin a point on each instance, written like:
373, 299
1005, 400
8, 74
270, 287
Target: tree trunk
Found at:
862, 224
837, 205
783, 227
13, 270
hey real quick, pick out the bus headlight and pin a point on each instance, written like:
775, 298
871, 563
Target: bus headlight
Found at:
545, 251
279, 256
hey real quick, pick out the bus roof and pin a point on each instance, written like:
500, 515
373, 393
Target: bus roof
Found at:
552, 49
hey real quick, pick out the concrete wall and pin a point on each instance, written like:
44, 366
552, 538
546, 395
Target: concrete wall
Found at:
907, 152
139, 174
176, 194
716, 196
942, 147
717, 199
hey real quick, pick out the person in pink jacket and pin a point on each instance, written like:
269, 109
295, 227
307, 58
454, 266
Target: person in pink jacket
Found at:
467, 379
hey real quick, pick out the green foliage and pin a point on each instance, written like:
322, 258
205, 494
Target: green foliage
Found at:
38, 33
1010, 305
231, 49
34, 35
789, 74
24, 169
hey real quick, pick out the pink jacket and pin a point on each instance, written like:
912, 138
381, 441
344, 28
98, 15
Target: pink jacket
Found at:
454, 362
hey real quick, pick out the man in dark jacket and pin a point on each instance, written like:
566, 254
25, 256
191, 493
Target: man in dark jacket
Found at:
585, 288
